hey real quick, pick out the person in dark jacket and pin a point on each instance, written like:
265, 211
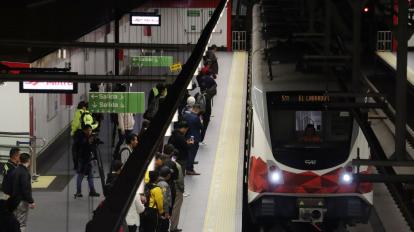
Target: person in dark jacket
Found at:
194, 134
208, 87
180, 143
111, 177
211, 59
22, 191
8, 222
85, 153
11, 164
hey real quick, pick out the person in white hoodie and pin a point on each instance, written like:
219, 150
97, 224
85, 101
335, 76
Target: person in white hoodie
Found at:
126, 123
132, 218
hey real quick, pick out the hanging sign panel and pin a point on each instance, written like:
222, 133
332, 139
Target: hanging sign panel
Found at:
144, 19
151, 61
48, 87
117, 102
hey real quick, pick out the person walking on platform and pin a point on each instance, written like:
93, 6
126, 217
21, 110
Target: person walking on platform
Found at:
21, 191
154, 206
165, 175
12, 163
129, 146
180, 143
194, 133
85, 153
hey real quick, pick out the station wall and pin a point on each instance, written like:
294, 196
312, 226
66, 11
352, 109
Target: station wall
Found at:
52, 115
14, 108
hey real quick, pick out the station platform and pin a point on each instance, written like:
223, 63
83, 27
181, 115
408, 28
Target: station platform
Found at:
390, 58
214, 202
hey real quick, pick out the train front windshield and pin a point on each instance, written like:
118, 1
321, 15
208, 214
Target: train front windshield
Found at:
310, 139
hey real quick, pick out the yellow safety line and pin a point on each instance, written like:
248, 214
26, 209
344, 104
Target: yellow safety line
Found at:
221, 206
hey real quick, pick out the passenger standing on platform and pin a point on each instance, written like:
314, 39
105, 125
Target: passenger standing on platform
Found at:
208, 88
165, 175
132, 218
182, 144
85, 153
126, 123
179, 189
190, 103
194, 134
127, 148
154, 206
75, 128
144, 126
168, 152
8, 222
211, 58
21, 192
12, 163
116, 168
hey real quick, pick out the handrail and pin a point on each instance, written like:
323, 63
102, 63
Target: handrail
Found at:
25, 137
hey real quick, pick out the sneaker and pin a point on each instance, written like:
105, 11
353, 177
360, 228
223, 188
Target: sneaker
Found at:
94, 194
78, 195
192, 173
202, 144
186, 194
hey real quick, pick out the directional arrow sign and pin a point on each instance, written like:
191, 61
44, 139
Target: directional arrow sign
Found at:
116, 102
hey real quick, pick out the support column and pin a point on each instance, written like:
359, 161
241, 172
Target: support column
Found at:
356, 44
116, 42
401, 86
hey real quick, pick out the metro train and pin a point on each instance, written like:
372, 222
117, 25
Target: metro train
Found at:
301, 148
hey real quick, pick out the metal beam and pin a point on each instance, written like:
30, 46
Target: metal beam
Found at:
381, 178
356, 44
401, 85
382, 163
72, 77
102, 45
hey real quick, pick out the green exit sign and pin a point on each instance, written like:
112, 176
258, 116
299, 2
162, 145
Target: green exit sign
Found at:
193, 13
152, 61
115, 102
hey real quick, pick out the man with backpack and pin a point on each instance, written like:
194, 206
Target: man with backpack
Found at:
154, 206
126, 149
8, 167
155, 98
165, 175
208, 89
211, 59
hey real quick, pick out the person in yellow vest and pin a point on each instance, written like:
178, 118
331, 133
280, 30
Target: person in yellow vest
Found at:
82, 116
160, 88
154, 206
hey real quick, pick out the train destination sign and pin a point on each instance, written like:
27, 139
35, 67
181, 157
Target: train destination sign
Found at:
117, 102
305, 98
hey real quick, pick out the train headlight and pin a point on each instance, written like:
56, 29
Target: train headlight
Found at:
346, 178
275, 176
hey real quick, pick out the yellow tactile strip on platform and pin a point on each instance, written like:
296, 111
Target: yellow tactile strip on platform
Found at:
43, 182
221, 206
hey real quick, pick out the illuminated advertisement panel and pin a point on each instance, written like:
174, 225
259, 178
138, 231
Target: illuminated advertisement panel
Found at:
48, 87
145, 19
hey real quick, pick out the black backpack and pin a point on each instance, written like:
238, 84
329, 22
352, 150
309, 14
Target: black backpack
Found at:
7, 183
152, 108
147, 193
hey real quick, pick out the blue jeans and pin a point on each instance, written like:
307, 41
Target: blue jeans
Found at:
191, 156
79, 182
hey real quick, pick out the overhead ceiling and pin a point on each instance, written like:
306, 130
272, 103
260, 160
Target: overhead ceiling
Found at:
53, 20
